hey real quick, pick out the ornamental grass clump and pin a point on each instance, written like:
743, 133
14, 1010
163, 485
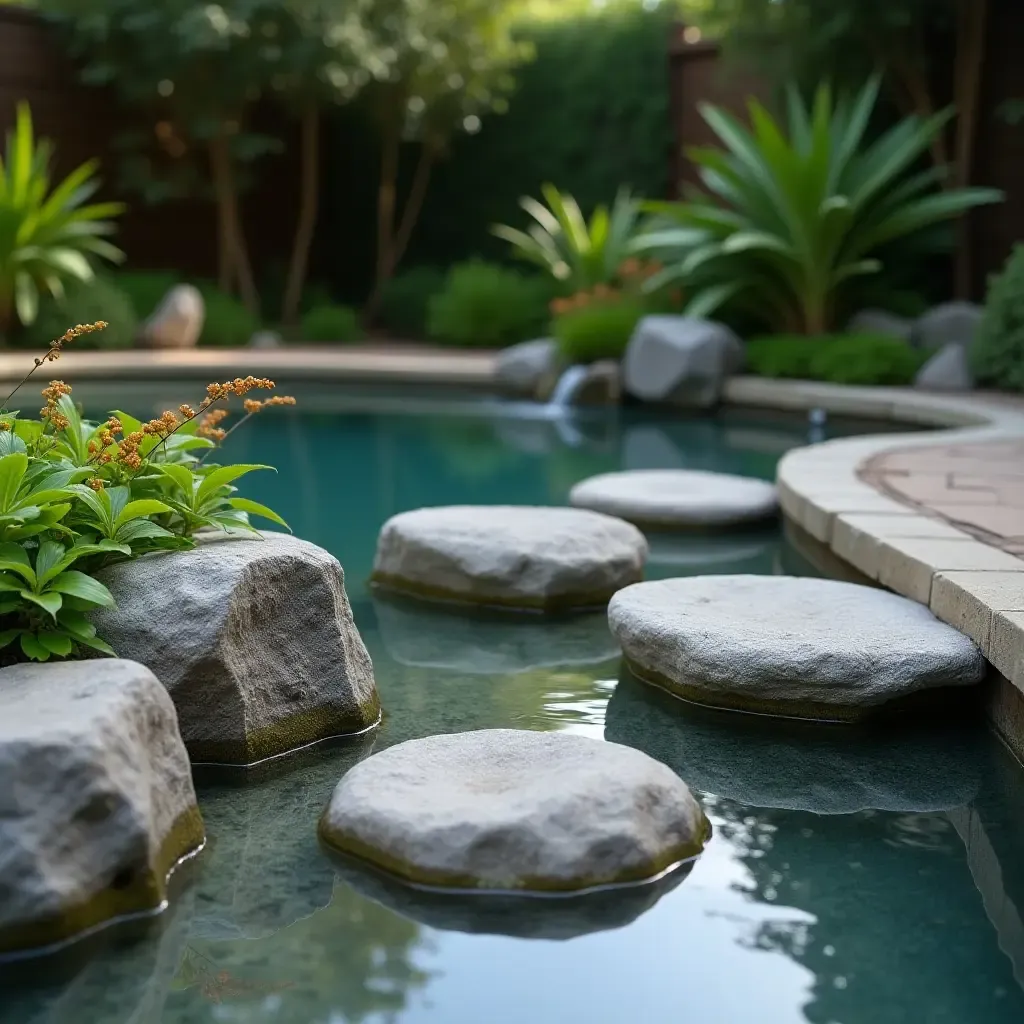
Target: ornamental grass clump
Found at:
77, 495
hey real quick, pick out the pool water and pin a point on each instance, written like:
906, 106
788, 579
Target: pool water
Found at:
853, 877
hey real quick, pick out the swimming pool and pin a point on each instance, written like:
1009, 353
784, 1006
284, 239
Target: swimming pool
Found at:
853, 878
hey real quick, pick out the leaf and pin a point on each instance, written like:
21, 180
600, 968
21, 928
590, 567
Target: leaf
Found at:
7, 636
182, 478
47, 558
10, 442
254, 508
218, 478
85, 588
12, 472
55, 642
97, 644
141, 529
49, 602
33, 648
139, 509
13, 558
76, 624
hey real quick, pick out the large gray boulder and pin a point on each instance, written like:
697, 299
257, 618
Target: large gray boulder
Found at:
177, 322
677, 498
948, 323
681, 360
503, 810
801, 766
526, 367
805, 648
878, 321
519, 557
254, 640
948, 370
96, 798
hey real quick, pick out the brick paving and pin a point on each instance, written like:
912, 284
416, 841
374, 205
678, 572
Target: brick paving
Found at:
979, 488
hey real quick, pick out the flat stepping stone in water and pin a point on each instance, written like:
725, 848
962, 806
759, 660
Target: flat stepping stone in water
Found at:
806, 648
512, 811
518, 557
677, 498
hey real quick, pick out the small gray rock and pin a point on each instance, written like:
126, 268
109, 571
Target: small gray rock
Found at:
945, 324
677, 498
266, 339
805, 648
524, 367
878, 321
513, 811
602, 384
681, 360
96, 798
948, 370
519, 557
254, 640
177, 322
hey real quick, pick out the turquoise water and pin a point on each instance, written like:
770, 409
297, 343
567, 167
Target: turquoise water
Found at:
853, 878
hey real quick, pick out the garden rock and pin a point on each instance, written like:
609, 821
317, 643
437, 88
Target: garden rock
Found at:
801, 766
878, 321
681, 360
518, 557
504, 810
177, 322
266, 339
602, 384
805, 648
948, 370
677, 498
254, 640
945, 324
525, 367
96, 798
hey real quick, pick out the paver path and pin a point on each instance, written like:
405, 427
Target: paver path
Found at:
979, 488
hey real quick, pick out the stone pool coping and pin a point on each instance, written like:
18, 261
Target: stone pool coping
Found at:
911, 549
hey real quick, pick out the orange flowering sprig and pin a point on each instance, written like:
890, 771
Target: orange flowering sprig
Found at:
252, 406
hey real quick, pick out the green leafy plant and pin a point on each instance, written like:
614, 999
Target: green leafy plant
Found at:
561, 241
227, 322
866, 359
85, 303
76, 495
997, 355
599, 330
486, 305
48, 236
405, 300
330, 323
792, 215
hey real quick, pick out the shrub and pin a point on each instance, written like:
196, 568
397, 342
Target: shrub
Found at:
997, 356
488, 306
330, 323
839, 359
227, 321
405, 301
599, 330
146, 288
84, 303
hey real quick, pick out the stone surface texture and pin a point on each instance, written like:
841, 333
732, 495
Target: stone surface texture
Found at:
254, 640
805, 648
509, 556
947, 370
528, 365
677, 498
514, 811
945, 324
681, 360
177, 322
602, 384
878, 321
96, 798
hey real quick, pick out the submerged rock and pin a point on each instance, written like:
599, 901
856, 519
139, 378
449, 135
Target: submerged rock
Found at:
502, 810
96, 798
254, 640
677, 498
805, 766
806, 648
518, 557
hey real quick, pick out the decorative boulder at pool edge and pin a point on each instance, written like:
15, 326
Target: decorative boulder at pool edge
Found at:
681, 360
948, 323
805, 648
503, 810
96, 798
177, 322
948, 370
518, 557
525, 367
254, 640
677, 498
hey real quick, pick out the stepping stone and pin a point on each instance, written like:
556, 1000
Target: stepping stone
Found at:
805, 648
517, 557
97, 804
677, 498
510, 811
